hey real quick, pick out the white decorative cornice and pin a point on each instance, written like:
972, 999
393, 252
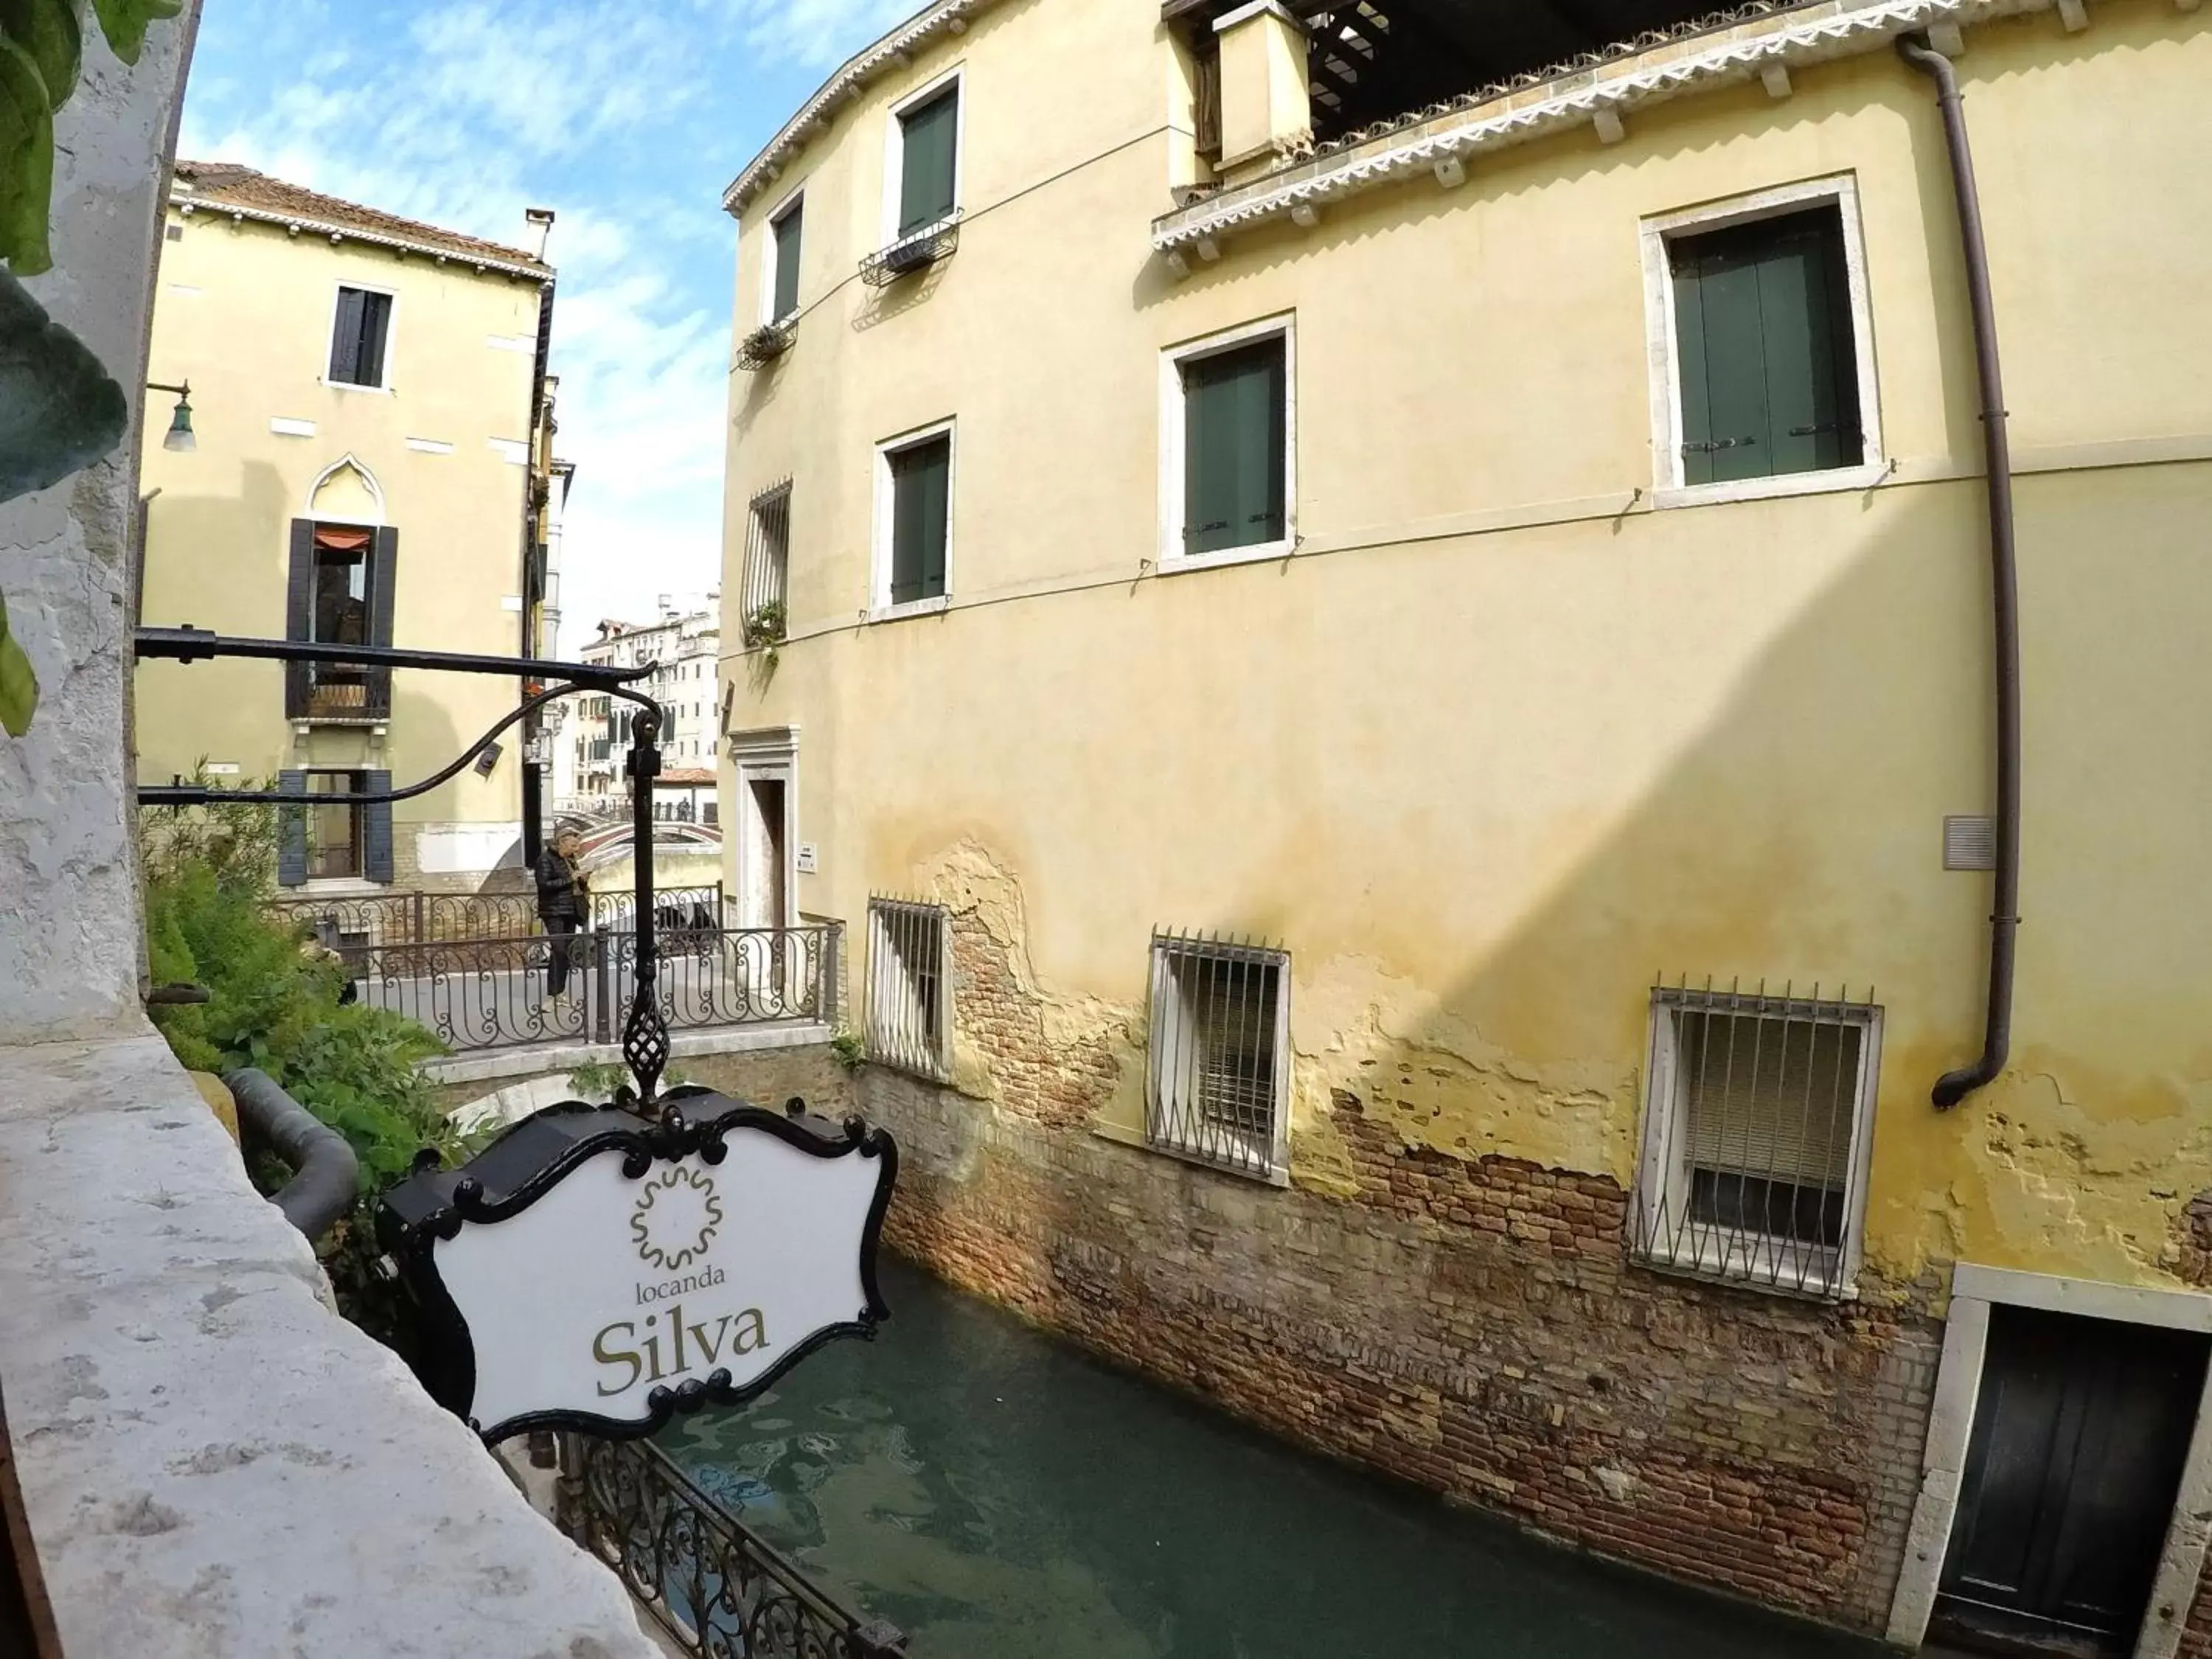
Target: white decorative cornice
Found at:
1596, 96
947, 17
193, 203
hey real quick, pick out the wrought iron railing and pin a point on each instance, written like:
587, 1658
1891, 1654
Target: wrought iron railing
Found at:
415, 918
1217, 1083
489, 992
720, 1591
908, 1014
917, 250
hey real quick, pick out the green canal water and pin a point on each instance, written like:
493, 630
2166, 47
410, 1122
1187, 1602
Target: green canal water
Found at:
999, 1494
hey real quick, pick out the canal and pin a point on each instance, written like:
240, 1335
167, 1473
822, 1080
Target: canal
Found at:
999, 1494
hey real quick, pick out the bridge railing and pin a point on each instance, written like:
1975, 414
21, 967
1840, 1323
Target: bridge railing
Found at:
718, 1591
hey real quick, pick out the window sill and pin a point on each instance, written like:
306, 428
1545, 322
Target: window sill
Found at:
887, 613
348, 385
1834, 482
1771, 1267
1257, 553
1276, 1175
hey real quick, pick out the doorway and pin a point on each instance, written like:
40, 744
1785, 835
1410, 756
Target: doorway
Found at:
2081, 1429
765, 852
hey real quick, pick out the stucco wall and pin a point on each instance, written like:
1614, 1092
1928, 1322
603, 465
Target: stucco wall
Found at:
1502, 742
244, 312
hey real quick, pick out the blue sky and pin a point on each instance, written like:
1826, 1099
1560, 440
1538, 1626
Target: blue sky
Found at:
627, 117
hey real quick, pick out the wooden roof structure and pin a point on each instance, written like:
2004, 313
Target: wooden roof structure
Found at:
1373, 60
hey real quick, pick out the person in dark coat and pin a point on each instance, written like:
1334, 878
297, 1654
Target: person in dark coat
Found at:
562, 894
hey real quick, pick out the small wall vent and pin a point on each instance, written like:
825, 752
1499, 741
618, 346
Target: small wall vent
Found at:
1970, 843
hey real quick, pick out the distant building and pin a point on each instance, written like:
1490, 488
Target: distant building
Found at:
684, 644
366, 407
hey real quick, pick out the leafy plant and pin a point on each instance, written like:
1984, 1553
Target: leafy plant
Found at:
598, 1079
276, 1003
849, 1049
765, 626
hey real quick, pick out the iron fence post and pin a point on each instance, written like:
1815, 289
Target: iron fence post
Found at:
602, 996
421, 937
645, 1035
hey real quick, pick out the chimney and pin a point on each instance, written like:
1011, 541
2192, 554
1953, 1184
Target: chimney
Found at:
542, 219
1265, 111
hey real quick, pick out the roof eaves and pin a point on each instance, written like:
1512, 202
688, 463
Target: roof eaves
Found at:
942, 16
202, 202
1570, 97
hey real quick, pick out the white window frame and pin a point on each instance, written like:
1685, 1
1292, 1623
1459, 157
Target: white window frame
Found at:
1839, 190
880, 608
796, 201
885, 968
894, 152
1270, 1164
331, 335
1173, 515
1661, 1175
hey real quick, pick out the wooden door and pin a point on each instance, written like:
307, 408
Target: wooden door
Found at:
2079, 1438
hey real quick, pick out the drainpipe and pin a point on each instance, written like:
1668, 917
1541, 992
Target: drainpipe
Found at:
2004, 583
327, 1175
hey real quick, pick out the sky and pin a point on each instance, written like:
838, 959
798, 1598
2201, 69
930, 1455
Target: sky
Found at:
628, 117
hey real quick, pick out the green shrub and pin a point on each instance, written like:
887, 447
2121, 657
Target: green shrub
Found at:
273, 1002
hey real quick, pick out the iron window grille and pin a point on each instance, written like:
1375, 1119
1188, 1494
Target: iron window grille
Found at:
1217, 1083
909, 1009
763, 609
1756, 1122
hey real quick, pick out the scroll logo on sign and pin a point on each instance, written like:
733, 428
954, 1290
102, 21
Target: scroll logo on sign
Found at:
597, 1270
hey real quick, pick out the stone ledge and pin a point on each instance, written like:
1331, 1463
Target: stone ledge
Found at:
541, 1059
212, 1461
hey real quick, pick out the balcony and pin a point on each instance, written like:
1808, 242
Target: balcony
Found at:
338, 694
916, 251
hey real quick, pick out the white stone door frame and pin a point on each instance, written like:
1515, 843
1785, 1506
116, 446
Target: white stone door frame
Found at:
767, 753
1974, 1291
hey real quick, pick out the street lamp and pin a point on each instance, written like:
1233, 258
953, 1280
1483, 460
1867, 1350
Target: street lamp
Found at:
179, 436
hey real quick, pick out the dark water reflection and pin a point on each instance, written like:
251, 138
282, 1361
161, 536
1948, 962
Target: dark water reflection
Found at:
999, 1495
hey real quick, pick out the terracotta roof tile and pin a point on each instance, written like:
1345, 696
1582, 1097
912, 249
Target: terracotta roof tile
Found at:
221, 182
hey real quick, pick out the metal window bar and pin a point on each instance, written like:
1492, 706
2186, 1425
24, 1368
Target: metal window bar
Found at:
1217, 1086
767, 558
1754, 1147
909, 1011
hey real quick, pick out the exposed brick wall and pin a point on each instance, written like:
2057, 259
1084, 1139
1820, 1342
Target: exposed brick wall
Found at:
1473, 1327
1062, 1083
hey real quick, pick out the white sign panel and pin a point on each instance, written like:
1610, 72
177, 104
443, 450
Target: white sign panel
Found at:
603, 1273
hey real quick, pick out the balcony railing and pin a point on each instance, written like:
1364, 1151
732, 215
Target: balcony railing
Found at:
718, 1590
476, 969
320, 692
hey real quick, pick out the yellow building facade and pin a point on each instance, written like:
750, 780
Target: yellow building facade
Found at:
365, 396
1571, 777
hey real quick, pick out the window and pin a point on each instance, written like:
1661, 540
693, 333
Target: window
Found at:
334, 833
909, 1012
914, 520
358, 338
341, 589
1759, 316
928, 134
768, 562
1217, 1083
784, 236
1229, 448
1754, 1137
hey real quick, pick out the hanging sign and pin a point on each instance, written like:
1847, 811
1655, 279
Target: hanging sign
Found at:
592, 1269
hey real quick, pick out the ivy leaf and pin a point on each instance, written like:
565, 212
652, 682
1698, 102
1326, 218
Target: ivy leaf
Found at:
59, 409
123, 22
49, 32
26, 160
19, 686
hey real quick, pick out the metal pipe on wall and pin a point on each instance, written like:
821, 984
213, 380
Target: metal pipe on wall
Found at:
2004, 583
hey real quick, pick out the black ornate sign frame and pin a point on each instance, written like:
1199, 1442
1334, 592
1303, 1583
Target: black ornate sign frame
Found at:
433, 1205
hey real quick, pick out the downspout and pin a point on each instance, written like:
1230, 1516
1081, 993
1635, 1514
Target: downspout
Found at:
2004, 583
327, 1175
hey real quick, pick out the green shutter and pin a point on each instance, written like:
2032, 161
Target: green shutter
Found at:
1768, 364
929, 138
787, 230
1234, 415
291, 832
921, 480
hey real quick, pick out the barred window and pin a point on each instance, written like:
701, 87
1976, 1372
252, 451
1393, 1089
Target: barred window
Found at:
1754, 1137
768, 563
1217, 1088
909, 1012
